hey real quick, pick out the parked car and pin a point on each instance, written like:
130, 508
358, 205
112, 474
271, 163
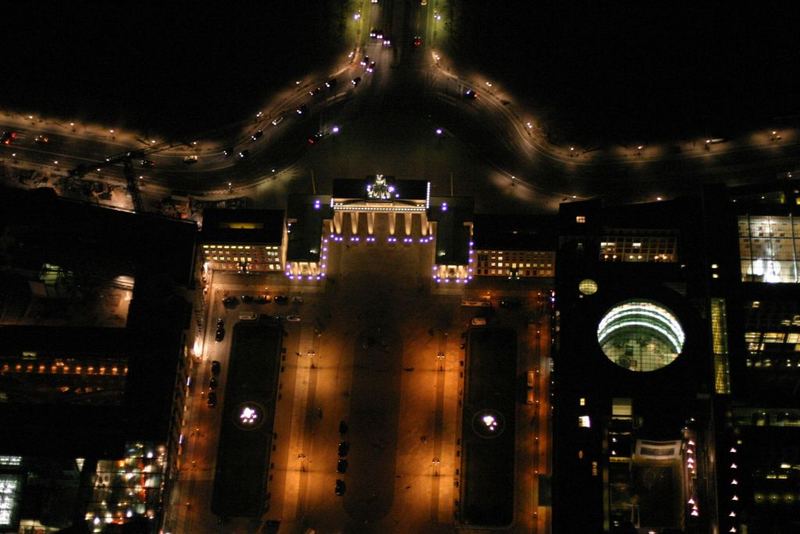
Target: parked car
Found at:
212, 399
281, 299
220, 335
216, 367
341, 466
212, 384
230, 301
344, 448
341, 487
247, 299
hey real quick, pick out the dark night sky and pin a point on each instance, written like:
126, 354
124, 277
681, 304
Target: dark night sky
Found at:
603, 71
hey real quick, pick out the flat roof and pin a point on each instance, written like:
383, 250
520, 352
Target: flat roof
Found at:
305, 215
515, 232
242, 226
89, 239
452, 234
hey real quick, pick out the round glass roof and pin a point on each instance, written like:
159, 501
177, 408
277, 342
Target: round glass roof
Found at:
587, 286
640, 335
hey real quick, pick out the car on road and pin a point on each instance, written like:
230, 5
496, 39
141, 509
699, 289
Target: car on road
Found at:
373, 32
244, 153
315, 91
41, 140
230, 302
148, 163
387, 41
470, 94
344, 448
355, 81
341, 466
365, 61
8, 137
220, 321
216, 367
302, 109
228, 152
331, 84
340, 487
417, 41
212, 399
293, 318
281, 299
277, 120
315, 138
212, 383
190, 160
256, 135
220, 335
371, 66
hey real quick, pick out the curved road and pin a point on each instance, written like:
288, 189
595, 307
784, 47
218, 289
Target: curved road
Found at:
407, 82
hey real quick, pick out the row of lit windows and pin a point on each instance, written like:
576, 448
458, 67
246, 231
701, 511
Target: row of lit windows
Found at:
519, 272
63, 369
638, 248
235, 265
786, 363
514, 265
240, 247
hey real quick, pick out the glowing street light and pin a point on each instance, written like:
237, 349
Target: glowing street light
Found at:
439, 131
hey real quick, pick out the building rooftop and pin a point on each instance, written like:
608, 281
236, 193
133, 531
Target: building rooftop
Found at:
242, 226
453, 236
305, 215
514, 232
38, 227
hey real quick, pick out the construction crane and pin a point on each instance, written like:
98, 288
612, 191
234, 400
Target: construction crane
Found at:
126, 159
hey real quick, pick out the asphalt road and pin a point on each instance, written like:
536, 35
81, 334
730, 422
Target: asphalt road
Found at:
387, 122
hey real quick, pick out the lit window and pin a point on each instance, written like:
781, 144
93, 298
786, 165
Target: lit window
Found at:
582, 401
580, 219
584, 421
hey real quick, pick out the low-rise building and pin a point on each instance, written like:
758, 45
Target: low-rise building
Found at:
244, 240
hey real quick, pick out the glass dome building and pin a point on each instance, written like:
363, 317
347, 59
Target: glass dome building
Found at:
640, 335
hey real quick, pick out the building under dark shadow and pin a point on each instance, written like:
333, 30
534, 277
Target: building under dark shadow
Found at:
95, 314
